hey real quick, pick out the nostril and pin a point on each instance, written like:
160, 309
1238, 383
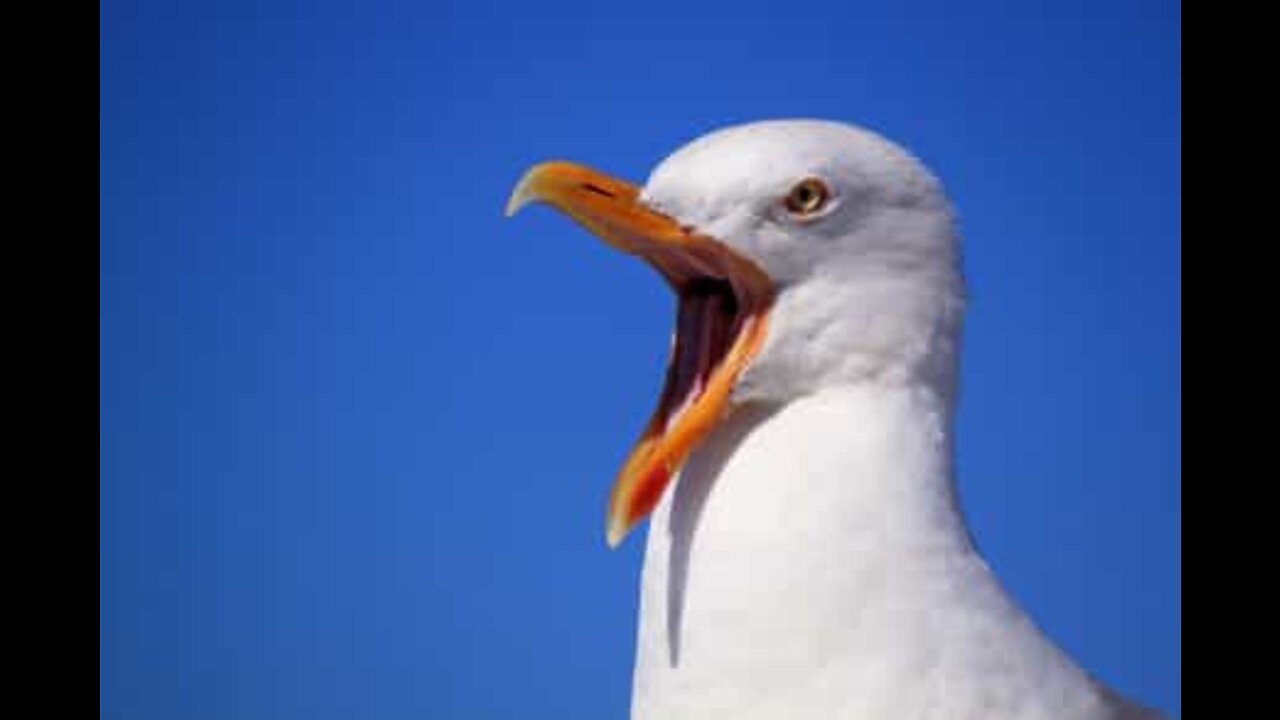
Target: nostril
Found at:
592, 187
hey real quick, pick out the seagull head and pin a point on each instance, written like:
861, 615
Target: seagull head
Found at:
804, 255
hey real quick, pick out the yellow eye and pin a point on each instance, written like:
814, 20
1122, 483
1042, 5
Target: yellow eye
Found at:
807, 197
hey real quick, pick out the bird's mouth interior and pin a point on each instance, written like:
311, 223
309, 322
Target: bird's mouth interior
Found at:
707, 320
722, 314
721, 320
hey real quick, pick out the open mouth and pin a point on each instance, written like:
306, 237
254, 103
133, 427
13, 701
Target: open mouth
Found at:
706, 322
716, 335
723, 306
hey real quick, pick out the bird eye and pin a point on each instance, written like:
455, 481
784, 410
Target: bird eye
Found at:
807, 197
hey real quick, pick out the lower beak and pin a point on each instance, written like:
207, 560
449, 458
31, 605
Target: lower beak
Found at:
724, 302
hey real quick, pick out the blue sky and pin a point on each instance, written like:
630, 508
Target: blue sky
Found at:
357, 431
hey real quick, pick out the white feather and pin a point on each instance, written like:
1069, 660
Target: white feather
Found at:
811, 560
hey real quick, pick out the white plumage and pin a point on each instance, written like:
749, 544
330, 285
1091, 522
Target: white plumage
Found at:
811, 560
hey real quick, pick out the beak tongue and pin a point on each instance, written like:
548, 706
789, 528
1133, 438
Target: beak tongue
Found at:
724, 302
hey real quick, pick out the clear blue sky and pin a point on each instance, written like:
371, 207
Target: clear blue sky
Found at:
357, 431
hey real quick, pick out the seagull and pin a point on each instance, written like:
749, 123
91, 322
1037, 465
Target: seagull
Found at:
807, 557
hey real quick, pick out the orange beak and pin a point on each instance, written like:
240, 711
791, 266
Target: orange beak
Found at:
724, 302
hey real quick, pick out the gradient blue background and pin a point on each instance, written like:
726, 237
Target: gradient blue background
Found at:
357, 431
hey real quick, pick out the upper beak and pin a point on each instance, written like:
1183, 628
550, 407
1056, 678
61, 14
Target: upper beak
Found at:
724, 304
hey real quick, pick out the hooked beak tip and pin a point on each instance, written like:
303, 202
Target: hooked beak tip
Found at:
520, 197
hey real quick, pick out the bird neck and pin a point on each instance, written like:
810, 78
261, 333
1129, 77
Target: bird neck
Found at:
817, 542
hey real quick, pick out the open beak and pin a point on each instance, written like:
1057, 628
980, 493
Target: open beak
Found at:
724, 302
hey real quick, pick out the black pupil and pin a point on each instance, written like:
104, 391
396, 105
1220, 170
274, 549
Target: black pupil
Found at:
806, 197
